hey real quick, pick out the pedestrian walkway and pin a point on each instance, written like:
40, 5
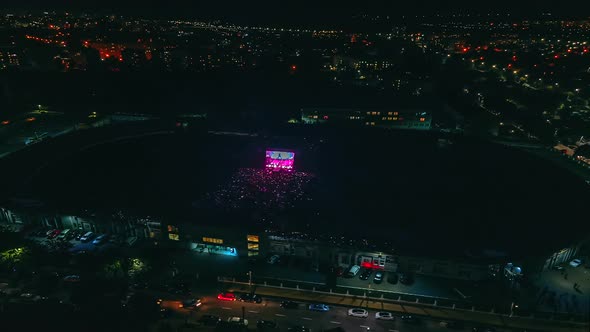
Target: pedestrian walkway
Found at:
416, 309
556, 292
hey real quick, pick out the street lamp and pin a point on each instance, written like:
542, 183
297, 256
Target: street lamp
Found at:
250, 278
512, 307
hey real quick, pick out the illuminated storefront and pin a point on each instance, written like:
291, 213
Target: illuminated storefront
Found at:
213, 246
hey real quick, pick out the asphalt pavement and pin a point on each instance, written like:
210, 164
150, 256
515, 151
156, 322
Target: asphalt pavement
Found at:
270, 309
429, 312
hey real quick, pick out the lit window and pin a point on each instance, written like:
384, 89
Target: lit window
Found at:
252, 246
174, 237
252, 253
373, 113
212, 240
394, 118
395, 113
172, 229
389, 113
253, 238
422, 119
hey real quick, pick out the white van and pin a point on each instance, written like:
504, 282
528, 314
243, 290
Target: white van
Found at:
353, 271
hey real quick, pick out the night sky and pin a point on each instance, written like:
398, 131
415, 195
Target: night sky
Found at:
304, 11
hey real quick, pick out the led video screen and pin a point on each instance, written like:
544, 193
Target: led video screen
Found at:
280, 159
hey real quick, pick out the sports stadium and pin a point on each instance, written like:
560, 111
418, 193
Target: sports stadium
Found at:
386, 190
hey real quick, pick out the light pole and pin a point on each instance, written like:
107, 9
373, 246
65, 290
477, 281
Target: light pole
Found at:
250, 277
512, 307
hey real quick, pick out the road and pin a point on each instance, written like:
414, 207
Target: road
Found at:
270, 309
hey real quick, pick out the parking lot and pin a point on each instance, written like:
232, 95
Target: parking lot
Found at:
77, 241
418, 285
426, 286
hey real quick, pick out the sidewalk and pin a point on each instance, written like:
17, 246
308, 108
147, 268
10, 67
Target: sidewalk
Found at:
438, 313
555, 291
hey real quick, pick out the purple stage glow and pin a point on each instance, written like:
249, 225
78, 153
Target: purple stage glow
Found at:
280, 160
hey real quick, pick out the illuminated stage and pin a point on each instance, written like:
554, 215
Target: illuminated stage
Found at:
279, 160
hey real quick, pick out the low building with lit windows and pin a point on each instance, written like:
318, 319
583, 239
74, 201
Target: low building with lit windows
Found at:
216, 240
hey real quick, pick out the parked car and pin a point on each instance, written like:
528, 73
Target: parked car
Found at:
65, 235
191, 303
32, 297
251, 298
319, 307
54, 234
226, 296
131, 241
353, 271
576, 262
366, 274
87, 237
406, 278
274, 259
289, 305
209, 320
384, 315
72, 278
358, 312
266, 325
79, 234
101, 239
378, 277
238, 321
392, 278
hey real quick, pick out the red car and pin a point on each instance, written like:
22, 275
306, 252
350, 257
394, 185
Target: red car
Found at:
53, 234
226, 296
